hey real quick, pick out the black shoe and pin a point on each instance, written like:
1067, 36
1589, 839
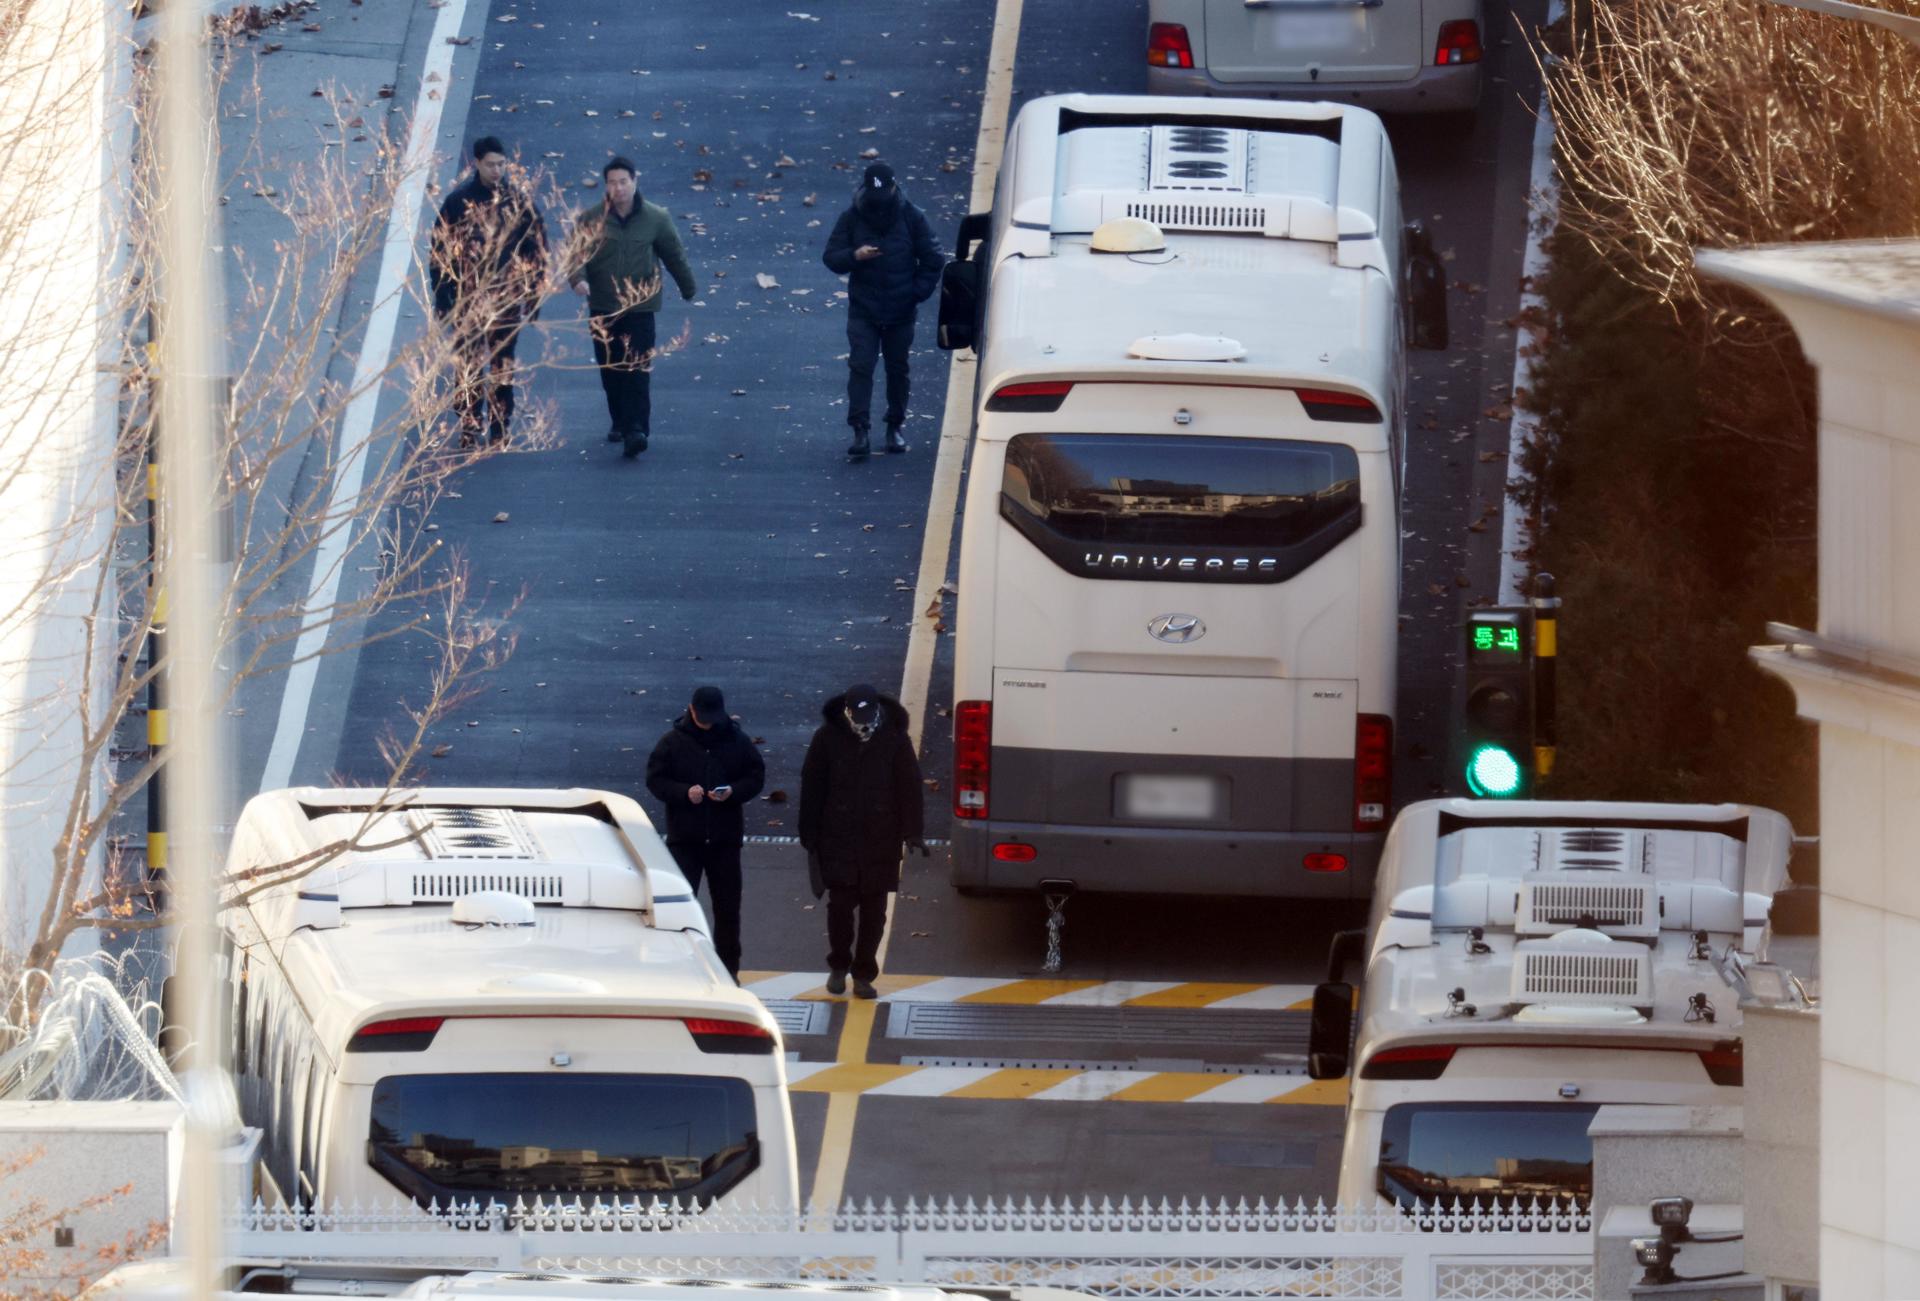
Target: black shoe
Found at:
613, 434
636, 444
836, 982
864, 989
895, 443
862, 443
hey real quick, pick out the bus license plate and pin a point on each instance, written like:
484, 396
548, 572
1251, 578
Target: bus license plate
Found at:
1179, 797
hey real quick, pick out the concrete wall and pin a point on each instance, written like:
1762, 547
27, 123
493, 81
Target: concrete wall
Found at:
1780, 1159
1856, 309
62, 1154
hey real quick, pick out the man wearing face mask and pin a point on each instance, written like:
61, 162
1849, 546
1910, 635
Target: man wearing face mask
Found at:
885, 247
860, 803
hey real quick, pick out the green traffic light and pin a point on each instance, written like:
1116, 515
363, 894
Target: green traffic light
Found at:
1493, 772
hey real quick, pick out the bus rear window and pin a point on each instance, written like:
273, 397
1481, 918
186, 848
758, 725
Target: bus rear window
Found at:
574, 1137
1486, 1153
1194, 509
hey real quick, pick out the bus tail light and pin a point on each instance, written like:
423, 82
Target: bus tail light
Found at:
1343, 408
1044, 395
712, 1036
1417, 1062
972, 757
406, 1034
1372, 771
1168, 46
1459, 43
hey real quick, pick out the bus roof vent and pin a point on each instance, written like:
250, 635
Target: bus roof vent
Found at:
1187, 347
493, 908
1128, 234
452, 887
1583, 967
1551, 902
473, 833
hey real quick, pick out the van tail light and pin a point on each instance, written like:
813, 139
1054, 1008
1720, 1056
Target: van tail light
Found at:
1418, 1062
972, 757
1045, 395
711, 1036
1343, 408
1012, 851
1326, 862
407, 1034
1724, 1065
1372, 771
1459, 43
1168, 46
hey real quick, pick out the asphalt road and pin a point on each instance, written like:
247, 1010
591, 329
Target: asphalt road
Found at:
743, 549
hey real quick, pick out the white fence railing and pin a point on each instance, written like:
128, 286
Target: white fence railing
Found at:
1106, 1249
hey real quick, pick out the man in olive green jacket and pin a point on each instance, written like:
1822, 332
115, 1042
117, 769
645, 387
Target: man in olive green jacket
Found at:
626, 242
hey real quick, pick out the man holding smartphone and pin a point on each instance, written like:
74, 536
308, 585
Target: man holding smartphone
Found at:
703, 770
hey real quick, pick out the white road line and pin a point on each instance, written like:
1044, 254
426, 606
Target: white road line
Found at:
1250, 1088
788, 985
798, 1071
356, 426
1091, 1086
1110, 993
930, 1082
1268, 998
948, 989
1543, 200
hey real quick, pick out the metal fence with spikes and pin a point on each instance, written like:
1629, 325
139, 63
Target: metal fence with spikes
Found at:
1107, 1249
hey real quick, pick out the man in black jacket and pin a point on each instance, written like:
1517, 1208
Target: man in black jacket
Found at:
860, 802
703, 769
487, 271
885, 247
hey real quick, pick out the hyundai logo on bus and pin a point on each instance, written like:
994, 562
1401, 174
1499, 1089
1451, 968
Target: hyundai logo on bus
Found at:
1178, 628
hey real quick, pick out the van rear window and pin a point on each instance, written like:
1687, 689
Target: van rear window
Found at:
1181, 509
613, 1137
1487, 1154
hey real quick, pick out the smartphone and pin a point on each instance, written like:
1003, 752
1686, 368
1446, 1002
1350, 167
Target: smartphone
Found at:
722, 791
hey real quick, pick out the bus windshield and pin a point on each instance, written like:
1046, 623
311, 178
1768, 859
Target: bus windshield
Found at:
1486, 1153
501, 1137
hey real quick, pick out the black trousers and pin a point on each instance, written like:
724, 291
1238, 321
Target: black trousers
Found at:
483, 382
866, 343
855, 922
719, 866
622, 348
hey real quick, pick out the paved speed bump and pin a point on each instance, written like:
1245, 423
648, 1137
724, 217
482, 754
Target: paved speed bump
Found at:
811, 985
1043, 1084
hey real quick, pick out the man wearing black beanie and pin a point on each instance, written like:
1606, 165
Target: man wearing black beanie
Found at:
885, 248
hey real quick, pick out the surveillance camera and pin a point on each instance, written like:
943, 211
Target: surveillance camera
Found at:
1655, 1256
1672, 1213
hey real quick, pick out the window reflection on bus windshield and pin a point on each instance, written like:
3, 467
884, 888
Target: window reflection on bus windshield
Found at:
1486, 1153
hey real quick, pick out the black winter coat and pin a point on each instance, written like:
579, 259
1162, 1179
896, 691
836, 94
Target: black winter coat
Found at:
860, 800
888, 288
720, 756
495, 239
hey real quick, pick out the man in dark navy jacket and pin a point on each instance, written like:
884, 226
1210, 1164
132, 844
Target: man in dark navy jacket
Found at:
703, 770
885, 247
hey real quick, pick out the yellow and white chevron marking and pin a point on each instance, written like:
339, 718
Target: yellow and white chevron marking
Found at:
884, 1080
1047, 993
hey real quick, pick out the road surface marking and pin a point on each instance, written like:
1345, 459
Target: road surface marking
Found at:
999, 990
356, 426
851, 1080
836, 1144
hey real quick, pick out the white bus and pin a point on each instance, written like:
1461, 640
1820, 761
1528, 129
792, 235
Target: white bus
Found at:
491, 996
1531, 961
1180, 553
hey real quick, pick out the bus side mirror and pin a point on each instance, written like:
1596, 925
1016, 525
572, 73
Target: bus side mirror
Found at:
1330, 1032
961, 282
1426, 291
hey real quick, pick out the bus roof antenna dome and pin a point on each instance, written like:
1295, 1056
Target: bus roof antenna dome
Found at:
1128, 235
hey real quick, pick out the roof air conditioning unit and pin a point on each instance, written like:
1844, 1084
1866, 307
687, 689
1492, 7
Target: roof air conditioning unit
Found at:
1551, 902
1583, 968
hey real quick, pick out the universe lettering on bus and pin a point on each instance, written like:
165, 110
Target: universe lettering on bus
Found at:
1180, 564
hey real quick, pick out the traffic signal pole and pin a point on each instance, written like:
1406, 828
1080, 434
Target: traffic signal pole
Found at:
1546, 620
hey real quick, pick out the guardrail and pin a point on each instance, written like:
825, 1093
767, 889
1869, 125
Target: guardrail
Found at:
1128, 1249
